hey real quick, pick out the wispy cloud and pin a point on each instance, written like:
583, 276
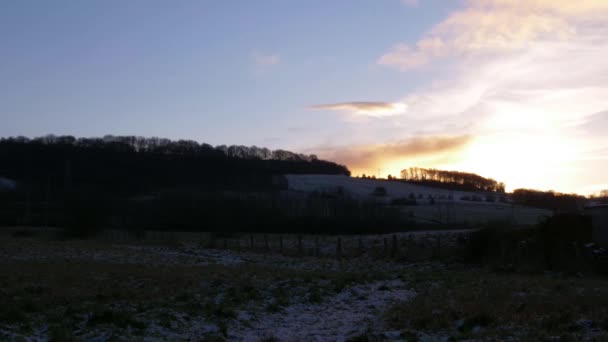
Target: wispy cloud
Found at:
263, 62
372, 156
527, 75
365, 108
489, 26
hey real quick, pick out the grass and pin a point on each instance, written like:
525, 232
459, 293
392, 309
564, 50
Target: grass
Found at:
61, 333
120, 319
65, 293
458, 301
269, 339
463, 303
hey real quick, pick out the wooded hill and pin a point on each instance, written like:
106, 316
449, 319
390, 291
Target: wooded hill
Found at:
453, 180
127, 164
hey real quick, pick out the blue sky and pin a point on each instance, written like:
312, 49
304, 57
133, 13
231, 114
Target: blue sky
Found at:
511, 89
189, 69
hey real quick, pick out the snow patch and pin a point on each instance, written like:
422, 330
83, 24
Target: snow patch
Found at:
353, 311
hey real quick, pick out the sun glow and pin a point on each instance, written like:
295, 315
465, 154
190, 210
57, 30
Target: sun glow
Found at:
540, 160
521, 159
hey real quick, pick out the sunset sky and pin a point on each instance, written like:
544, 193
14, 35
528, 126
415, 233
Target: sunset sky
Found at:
516, 90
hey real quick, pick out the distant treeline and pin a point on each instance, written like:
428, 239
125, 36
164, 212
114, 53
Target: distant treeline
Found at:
549, 200
129, 164
138, 183
453, 180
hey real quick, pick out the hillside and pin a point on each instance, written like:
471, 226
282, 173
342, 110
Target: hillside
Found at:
423, 203
132, 165
368, 188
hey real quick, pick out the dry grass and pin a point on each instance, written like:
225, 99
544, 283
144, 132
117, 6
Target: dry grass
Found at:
476, 303
458, 302
64, 292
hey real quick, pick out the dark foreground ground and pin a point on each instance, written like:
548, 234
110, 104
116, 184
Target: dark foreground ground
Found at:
96, 290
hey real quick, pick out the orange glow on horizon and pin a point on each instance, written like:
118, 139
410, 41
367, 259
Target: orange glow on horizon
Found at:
519, 160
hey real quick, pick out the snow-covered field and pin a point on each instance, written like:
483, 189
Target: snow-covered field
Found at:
363, 188
255, 296
433, 204
95, 290
353, 311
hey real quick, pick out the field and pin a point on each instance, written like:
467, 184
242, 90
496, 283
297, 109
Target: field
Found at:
434, 205
181, 289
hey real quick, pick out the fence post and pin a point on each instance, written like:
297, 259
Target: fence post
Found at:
300, 248
409, 246
438, 253
361, 245
577, 250
386, 247
395, 246
339, 248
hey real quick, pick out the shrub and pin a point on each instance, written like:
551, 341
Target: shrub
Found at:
84, 214
403, 201
561, 237
379, 191
23, 233
553, 244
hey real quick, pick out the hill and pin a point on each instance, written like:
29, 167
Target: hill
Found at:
131, 165
423, 204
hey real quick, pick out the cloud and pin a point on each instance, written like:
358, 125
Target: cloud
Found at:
365, 108
265, 61
524, 78
411, 3
372, 156
527, 106
595, 123
490, 26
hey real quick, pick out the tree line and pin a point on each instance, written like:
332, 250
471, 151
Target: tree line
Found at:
454, 180
134, 183
551, 200
128, 164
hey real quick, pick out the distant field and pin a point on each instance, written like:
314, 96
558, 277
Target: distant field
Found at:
434, 205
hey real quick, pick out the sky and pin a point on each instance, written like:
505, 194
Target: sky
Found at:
516, 90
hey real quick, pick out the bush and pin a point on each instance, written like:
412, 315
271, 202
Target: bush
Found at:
85, 214
23, 233
561, 236
403, 201
553, 244
379, 191
485, 245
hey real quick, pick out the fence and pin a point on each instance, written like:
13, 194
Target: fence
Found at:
410, 246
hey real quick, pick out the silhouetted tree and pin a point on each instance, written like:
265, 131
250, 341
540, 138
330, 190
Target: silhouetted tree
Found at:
455, 180
549, 200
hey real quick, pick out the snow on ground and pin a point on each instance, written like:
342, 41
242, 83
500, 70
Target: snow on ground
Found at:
192, 254
365, 187
447, 206
354, 311
335, 314
129, 254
